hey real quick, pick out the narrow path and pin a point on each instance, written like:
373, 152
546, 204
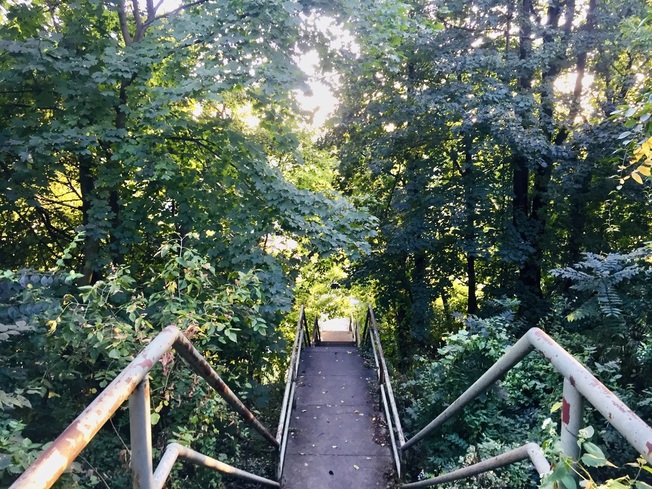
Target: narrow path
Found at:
333, 433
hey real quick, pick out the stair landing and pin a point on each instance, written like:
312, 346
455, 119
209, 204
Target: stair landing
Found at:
336, 440
336, 330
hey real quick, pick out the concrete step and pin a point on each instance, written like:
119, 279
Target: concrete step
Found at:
334, 337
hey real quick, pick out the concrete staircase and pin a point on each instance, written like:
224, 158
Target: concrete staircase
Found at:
337, 435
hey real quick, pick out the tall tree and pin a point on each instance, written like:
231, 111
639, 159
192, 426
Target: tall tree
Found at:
510, 143
128, 123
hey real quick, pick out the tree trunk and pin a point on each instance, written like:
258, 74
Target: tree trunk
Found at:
420, 294
468, 182
90, 270
532, 225
578, 199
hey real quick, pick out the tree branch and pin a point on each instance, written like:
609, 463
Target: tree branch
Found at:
71, 185
446, 23
52, 230
124, 24
61, 203
139, 21
175, 11
151, 9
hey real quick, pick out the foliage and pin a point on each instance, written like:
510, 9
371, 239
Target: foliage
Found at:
509, 414
499, 420
611, 307
472, 133
637, 137
600, 276
565, 471
478, 141
99, 328
134, 137
16, 452
122, 125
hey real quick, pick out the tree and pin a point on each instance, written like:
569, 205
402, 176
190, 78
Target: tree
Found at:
146, 150
136, 119
475, 127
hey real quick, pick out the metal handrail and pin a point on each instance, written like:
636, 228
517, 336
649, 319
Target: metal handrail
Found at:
302, 334
358, 333
386, 391
579, 384
175, 451
306, 329
529, 450
132, 383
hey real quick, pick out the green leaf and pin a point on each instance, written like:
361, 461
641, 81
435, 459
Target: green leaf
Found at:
593, 461
593, 449
586, 433
569, 481
614, 484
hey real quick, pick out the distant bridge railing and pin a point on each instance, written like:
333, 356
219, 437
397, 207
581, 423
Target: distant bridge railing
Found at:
579, 384
132, 383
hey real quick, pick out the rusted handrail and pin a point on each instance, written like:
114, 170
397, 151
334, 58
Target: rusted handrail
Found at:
131, 383
302, 333
579, 384
529, 450
175, 451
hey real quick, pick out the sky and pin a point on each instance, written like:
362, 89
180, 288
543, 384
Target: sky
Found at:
321, 101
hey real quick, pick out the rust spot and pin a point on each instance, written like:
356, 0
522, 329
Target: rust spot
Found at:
572, 380
146, 364
543, 336
649, 447
565, 411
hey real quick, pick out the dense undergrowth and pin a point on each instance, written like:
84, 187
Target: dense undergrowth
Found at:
64, 343
602, 322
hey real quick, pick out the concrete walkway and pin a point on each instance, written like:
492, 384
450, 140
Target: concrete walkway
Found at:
336, 330
336, 441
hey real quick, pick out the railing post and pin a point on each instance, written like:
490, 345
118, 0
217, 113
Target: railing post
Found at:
365, 329
571, 420
307, 336
316, 333
140, 428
